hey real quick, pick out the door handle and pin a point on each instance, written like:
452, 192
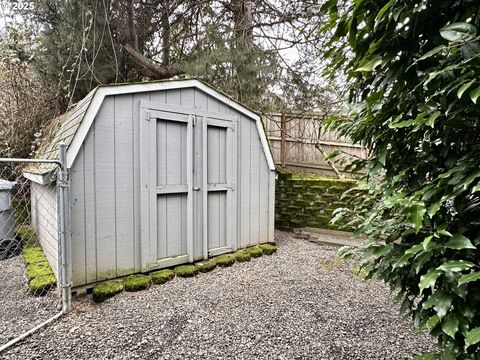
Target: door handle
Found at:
196, 188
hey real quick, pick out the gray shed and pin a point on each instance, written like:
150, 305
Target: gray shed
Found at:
161, 173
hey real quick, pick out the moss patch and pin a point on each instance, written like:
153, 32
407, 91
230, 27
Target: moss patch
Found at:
162, 276
38, 270
106, 290
254, 251
33, 255
27, 235
224, 260
268, 248
186, 270
242, 256
136, 282
40, 285
206, 266
39, 273
309, 200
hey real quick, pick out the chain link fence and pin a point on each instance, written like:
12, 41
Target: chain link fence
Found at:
34, 284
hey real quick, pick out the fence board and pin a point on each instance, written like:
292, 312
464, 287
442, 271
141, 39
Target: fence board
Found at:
302, 135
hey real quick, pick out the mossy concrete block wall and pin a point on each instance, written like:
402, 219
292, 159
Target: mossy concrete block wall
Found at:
309, 201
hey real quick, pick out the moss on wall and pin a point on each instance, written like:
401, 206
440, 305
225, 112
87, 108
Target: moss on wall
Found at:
308, 200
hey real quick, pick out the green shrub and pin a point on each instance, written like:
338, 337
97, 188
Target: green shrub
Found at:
106, 290
224, 260
186, 270
268, 248
254, 251
206, 266
242, 256
414, 92
136, 282
39, 286
162, 276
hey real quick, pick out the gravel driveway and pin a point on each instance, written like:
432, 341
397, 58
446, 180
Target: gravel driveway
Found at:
295, 304
19, 311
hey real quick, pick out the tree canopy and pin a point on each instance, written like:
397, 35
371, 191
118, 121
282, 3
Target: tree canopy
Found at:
413, 76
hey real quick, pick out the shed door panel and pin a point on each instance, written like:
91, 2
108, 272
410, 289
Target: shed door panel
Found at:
172, 189
217, 186
188, 163
220, 162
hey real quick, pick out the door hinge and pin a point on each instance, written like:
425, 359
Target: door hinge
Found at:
194, 120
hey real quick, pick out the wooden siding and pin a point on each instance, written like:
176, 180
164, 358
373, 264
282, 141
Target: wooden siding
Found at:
44, 221
301, 136
105, 187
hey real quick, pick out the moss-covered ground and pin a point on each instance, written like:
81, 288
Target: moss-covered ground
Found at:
106, 290
254, 251
186, 270
268, 248
136, 282
206, 266
39, 273
162, 276
242, 256
224, 260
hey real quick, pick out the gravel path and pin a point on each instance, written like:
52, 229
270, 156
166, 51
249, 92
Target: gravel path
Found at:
296, 304
19, 311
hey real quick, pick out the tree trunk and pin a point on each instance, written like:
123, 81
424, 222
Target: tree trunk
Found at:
243, 64
146, 66
166, 33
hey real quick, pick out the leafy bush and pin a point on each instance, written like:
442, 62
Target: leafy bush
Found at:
413, 73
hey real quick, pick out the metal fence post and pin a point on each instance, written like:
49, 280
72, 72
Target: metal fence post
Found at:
283, 144
63, 212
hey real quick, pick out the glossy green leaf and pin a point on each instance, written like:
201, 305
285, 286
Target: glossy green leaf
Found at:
474, 94
460, 242
472, 337
431, 119
455, 266
426, 242
469, 278
402, 124
433, 209
370, 63
432, 52
404, 260
432, 322
458, 31
429, 279
416, 213
450, 325
464, 88
440, 301
383, 11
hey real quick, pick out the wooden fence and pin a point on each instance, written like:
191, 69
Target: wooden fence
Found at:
297, 142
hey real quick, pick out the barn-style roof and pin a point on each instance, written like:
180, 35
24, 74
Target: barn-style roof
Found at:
72, 127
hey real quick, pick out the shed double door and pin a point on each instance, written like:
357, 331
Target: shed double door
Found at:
188, 171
